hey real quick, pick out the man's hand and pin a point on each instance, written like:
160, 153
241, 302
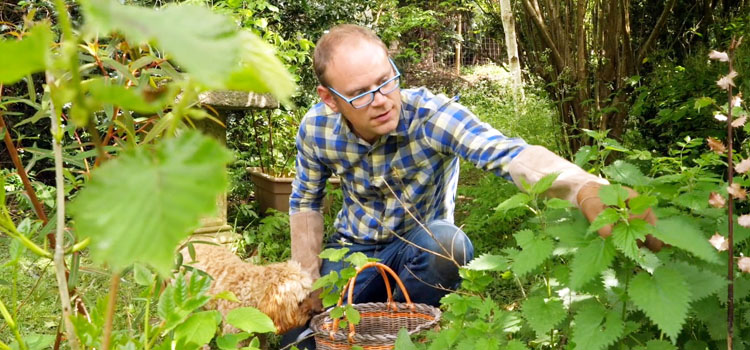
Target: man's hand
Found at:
591, 205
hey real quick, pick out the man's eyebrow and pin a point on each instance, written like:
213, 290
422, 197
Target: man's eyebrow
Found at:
380, 80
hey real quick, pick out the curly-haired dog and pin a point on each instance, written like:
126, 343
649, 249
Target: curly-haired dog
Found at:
278, 290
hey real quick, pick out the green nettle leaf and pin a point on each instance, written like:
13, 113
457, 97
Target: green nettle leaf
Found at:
515, 201
333, 254
656, 345
142, 275
639, 204
534, 252
403, 341
626, 173
680, 232
614, 195
596, 328
663, 297
590, 261
181, 298
138, 207
19, 58
352, 315
199, 328
544, 183
231, 341
515, 345
702, 283
703, 102
624, 238
251, 320
557, 203
488, 262
584, 155
357, 259
542, 314
606, 217
228, 59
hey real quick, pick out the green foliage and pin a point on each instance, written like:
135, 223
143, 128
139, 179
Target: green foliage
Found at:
590, 261
543, 314
23, 57
181, 175
534, 252
596, 327
250, 320
663, 297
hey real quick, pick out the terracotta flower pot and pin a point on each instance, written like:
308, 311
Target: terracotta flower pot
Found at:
273, 192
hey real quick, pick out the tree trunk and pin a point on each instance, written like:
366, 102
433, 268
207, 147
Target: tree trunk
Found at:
509, 27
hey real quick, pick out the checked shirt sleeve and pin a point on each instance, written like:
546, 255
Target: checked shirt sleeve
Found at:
308, 187
452, 128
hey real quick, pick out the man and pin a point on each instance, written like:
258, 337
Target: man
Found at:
396, 152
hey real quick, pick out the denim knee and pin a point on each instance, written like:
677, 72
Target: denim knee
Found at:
448, 240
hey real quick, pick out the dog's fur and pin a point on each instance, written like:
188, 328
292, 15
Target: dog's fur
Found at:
279, 290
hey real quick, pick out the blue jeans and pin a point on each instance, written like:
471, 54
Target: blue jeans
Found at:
418, 269
414, 262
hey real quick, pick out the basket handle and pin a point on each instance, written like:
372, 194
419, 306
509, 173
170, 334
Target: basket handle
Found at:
350, 288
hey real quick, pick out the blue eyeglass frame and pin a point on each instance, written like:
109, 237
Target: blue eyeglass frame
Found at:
371, 92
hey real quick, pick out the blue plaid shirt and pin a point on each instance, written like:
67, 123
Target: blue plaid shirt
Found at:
414, 168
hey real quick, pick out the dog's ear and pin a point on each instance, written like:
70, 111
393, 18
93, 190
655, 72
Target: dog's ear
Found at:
312, 305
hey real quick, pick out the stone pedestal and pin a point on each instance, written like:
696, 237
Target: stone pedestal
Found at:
223, 102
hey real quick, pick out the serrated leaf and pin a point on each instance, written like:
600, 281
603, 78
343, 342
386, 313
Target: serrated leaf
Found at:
544, 183
515, 345
156, 196
590, 261
703, 102
684, 234
702, 283
352, 314
229, 59
333, 254
534, 252
181, 298
515, 201
357, 259
19, 58
199, 328
624, 238
641, 203
231, 341
142, 275
663, 297
134, 98
624, 172
542, 314
250, 320
614, 195
488, 262
584, 155
403, 341
227, 295
659, 345
596, 328
606, 217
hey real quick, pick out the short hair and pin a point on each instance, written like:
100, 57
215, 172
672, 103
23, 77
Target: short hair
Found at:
335, 37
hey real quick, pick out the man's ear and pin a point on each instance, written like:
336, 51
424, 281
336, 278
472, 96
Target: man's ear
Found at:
327, 98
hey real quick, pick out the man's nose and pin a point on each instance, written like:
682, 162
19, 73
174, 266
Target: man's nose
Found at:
379, 98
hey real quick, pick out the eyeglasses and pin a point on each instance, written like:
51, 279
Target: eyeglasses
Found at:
364, 99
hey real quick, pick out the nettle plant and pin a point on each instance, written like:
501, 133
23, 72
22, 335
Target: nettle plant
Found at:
126, 85
581, 291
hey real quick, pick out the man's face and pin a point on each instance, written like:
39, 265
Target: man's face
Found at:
356, 68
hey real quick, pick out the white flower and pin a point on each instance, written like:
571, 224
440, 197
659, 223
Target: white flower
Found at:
744, 264
720, 117
744, 220
743, 166
737, 100
718, 55
719, 242
726, 81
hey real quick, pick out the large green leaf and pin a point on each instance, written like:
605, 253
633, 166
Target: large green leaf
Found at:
139, 206
681, 232
542, 314
606, 217
205, 44
544, 183
403, 341
515, 201
488, 262
614, 195
702, 283
199, 328
595, 327
251, 320
134, 99
626, 173
590, 261
663, 297
624, 238
534, 252
19, 58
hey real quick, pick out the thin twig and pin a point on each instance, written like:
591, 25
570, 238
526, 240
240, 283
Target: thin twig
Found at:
438, 286
113, 287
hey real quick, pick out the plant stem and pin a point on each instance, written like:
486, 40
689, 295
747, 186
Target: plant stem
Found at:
147, 315
113, 287
62, 281
13, 326
730, 250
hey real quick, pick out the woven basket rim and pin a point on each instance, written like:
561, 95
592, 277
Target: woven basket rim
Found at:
319, 320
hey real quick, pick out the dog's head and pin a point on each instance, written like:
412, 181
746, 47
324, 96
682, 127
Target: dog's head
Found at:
286, 301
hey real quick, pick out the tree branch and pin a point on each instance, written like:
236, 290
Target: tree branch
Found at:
654, 33
533, 11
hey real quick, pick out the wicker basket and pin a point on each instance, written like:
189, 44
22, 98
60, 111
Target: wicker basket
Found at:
379, 322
